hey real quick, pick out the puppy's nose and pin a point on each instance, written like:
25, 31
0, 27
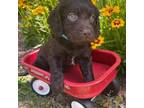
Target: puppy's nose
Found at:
86, 32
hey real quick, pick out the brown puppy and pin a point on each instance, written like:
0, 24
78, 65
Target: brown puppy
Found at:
74, 25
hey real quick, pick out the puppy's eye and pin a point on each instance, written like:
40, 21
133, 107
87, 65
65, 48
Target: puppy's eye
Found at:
92, 19
72, 17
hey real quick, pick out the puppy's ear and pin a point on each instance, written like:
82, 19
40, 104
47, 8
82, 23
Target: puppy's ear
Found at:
55, 22
97, 23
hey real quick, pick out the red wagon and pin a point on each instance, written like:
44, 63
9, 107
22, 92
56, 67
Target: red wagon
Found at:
104, 69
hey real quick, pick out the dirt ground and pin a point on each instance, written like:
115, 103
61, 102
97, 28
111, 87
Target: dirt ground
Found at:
28, 99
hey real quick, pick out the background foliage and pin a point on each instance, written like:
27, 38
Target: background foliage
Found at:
35, 29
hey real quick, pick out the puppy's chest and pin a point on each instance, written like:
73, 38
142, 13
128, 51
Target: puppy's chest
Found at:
72, 55
70, 60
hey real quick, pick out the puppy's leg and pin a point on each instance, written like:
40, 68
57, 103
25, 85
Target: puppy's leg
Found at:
86, 68
57, 77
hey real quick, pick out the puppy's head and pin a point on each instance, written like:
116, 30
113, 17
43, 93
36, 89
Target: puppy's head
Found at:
77, 19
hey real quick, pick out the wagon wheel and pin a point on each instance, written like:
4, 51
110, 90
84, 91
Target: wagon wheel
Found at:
39, 87
112, 89
82, 104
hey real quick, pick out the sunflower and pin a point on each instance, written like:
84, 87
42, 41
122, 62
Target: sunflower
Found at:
94, 2
117, 23
98, 42
108, 10
38, 10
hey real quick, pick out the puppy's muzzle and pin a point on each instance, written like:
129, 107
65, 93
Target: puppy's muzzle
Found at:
88, 35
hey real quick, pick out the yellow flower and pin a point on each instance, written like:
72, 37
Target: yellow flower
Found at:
38, 10
21, 3
116, 9
116, 23
93, 47
108, 10
94, 2
98, 42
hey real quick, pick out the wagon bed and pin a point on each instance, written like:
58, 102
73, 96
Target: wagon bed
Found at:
104, 69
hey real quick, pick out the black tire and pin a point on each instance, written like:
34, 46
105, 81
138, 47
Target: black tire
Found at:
112, 89
34, 90
84, 103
